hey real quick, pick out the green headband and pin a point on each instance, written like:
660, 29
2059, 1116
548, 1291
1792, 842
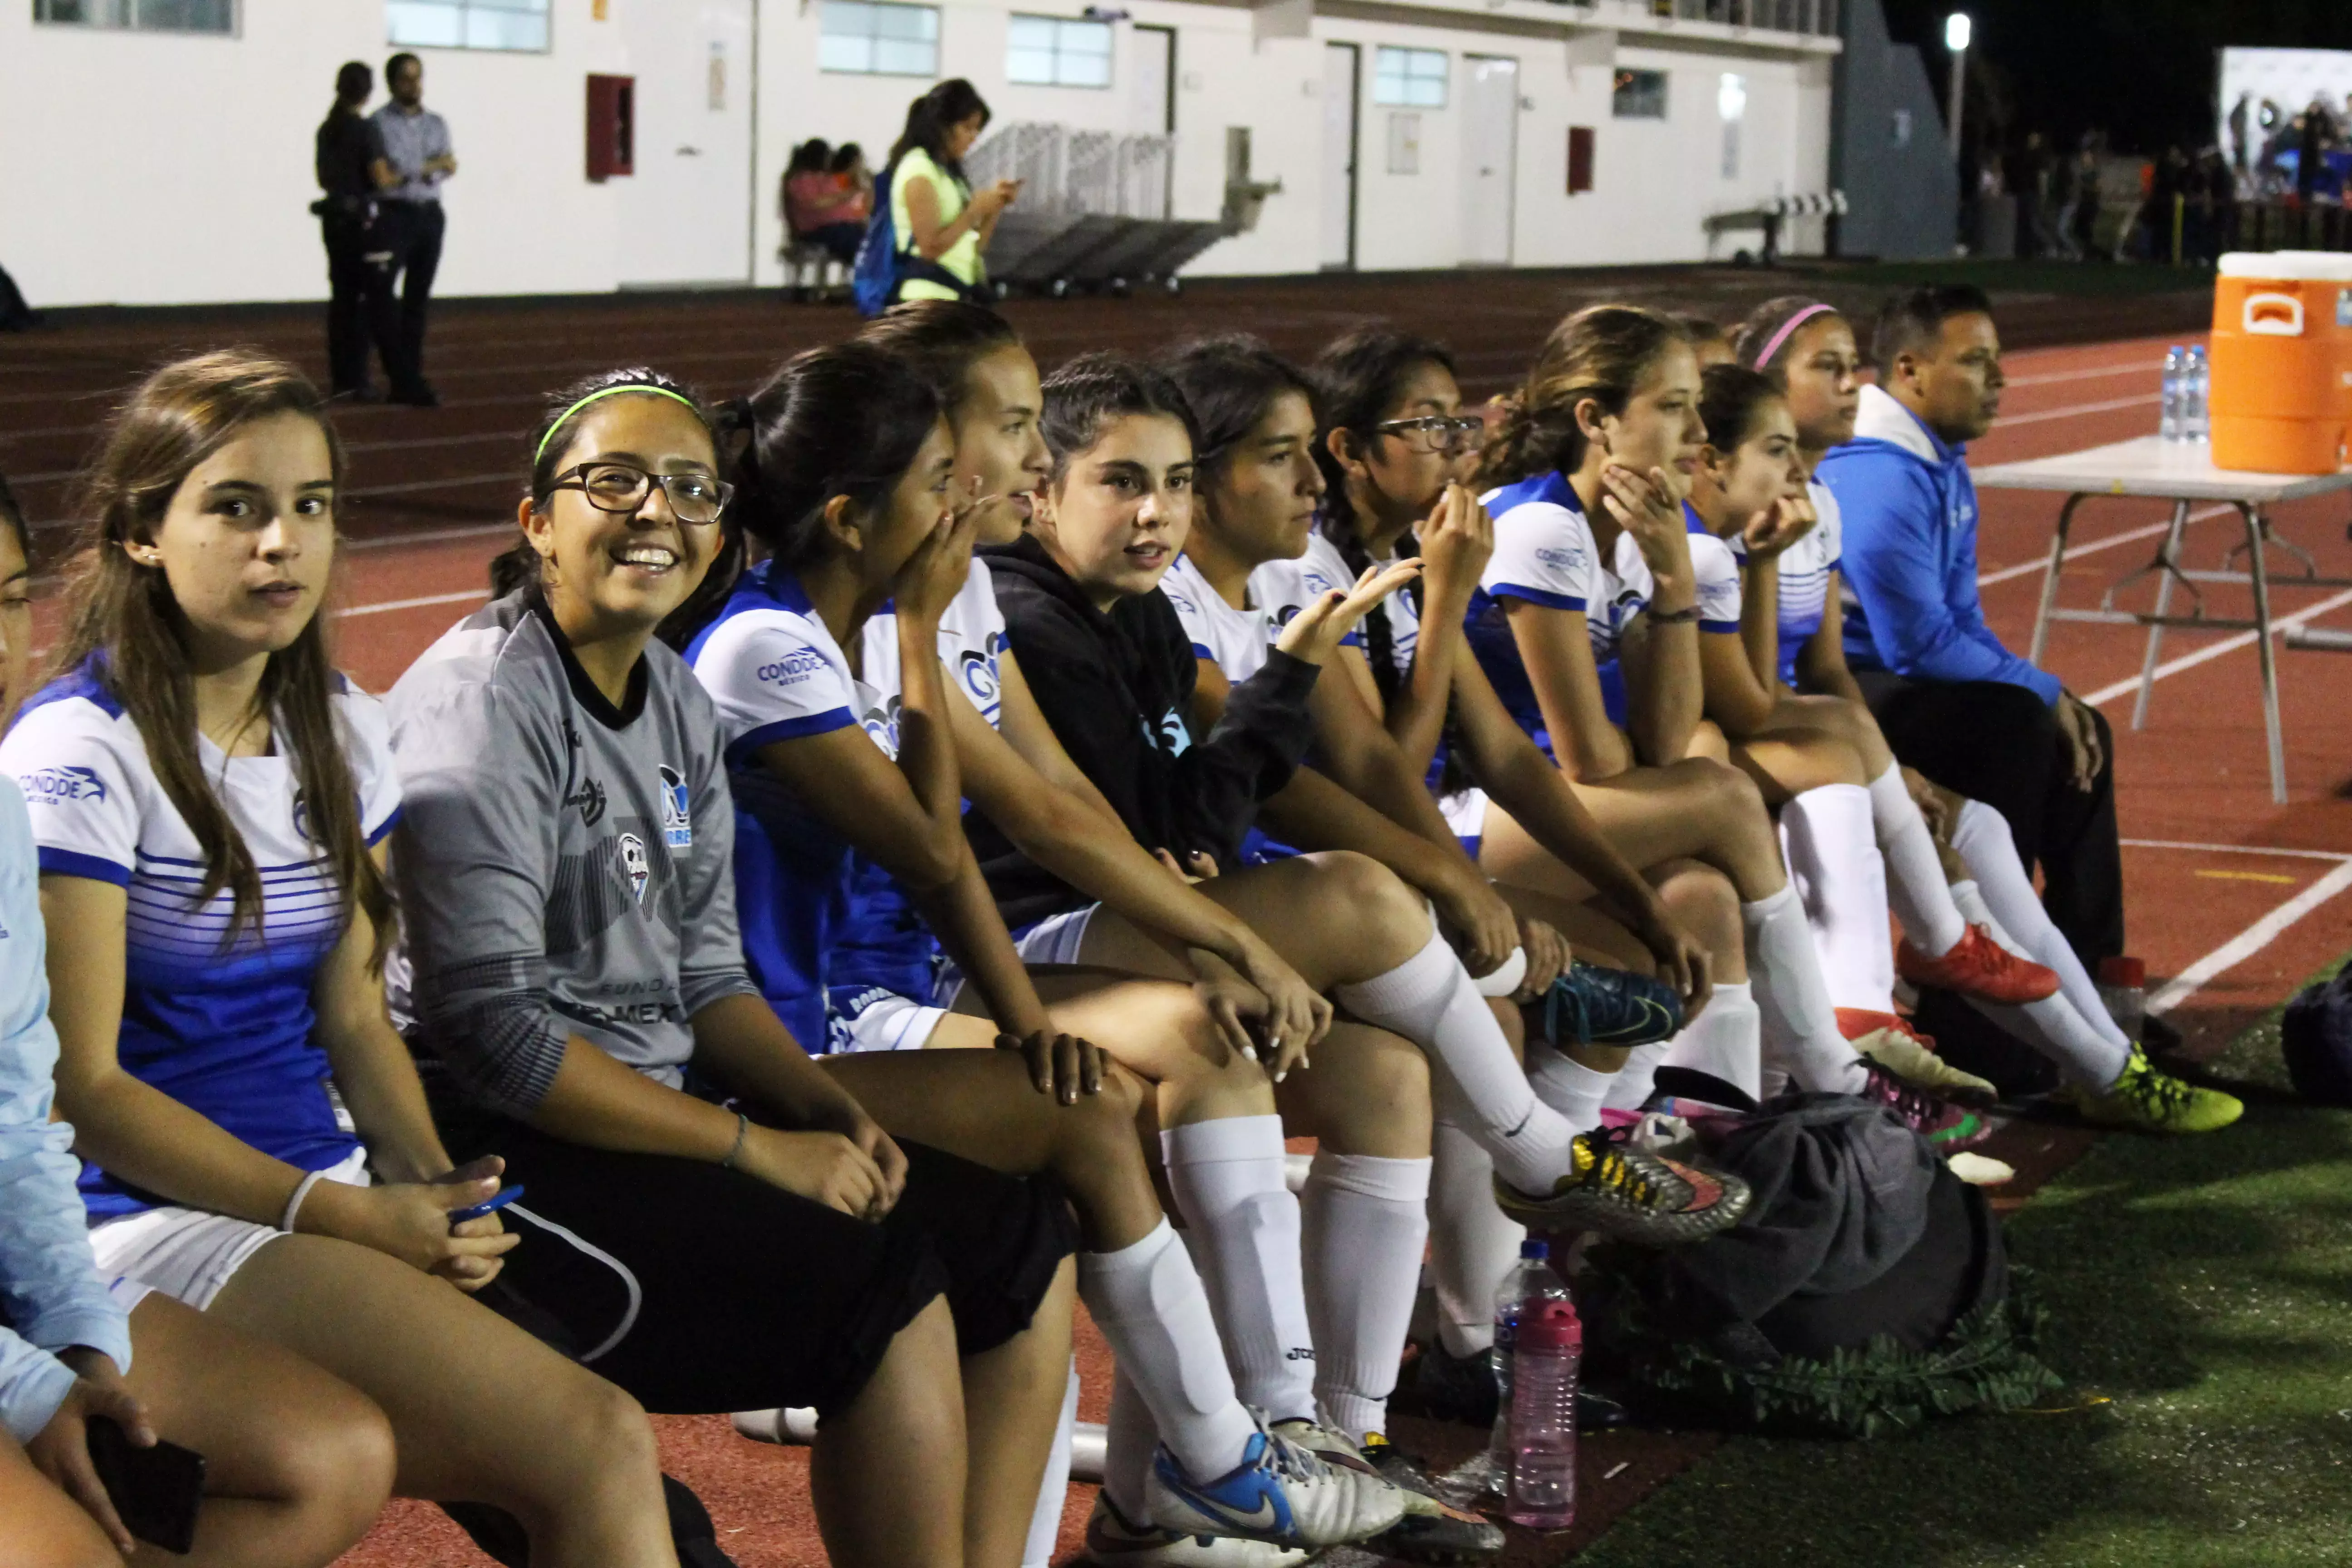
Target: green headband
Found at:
564, 418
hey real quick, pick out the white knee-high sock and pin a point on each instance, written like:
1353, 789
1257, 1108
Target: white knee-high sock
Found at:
1367, 1221
1834, 865
1725, 1041
1228, 1177
1471, 1243
1129, 1443
2051, 1025
1801, 1032
1984, 841
1430, 1000
1915, 872
1568, 1086
1148, 1301
1053, 1494
1630, 1086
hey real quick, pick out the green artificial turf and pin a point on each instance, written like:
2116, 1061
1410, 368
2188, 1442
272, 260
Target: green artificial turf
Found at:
2201, 1286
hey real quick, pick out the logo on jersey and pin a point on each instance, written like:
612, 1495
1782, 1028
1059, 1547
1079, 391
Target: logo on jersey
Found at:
301, 817
978, 672
590, 798
1171, 736
1568, 560
792, 668
678, 817
51, 785
881, 725
634, 865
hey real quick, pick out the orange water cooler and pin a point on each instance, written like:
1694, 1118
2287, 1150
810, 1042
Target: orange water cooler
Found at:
2282, 357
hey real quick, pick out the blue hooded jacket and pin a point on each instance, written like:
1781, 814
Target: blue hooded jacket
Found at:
1910, 555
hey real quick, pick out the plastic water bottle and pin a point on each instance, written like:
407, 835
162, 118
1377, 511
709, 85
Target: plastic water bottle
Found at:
1528, 1285
2196, 410
2170, 425
1546, 1357
2122, 988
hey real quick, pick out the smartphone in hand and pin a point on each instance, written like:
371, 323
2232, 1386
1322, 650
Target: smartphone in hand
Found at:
497, 1200
156, 1490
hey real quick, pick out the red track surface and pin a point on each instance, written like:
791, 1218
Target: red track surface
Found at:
434, 491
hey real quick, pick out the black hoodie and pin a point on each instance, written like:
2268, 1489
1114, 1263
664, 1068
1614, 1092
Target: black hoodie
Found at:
1118, 690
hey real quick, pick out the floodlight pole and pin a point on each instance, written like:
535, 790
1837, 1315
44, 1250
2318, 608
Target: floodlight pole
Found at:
1957, 28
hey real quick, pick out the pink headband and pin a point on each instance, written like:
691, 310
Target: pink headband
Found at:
1788, 329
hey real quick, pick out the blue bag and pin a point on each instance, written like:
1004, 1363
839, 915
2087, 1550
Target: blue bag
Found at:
874, 275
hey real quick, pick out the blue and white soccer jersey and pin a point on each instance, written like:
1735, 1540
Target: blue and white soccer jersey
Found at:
775, 673
216, 1018
1715, 571
217, 1015
1545, 554
1806, 568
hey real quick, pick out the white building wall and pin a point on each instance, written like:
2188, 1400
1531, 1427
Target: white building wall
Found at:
164, 168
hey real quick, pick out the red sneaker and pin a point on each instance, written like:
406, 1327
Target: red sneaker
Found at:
1978, 966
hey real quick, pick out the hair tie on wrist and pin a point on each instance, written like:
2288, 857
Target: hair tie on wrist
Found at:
294, 1204
743, 1128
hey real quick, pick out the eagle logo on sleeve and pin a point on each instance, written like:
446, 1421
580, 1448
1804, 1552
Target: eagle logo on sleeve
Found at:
677, 807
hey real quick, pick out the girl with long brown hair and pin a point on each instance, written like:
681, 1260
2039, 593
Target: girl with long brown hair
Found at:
1592, 562
211, 801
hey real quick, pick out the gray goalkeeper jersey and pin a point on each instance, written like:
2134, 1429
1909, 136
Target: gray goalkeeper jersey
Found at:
564, 865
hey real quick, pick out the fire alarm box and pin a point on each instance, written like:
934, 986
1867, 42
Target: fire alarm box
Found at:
612, 126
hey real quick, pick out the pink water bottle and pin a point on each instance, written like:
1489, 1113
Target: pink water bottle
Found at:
1544, 1360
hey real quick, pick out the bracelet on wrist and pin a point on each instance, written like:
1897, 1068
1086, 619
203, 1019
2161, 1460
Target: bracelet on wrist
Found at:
1681, 617
742, 1131
294, 1204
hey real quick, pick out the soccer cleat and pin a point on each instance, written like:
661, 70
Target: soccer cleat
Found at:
1889, 1040
1978, 966
1622, 1190
1448, 1387
2147, 1101
1279, 1492
1115, 1540
1944, 1125
1434, 1531
1590, 1005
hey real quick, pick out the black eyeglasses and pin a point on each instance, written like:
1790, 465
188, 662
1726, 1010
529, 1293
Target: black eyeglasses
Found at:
1437, 433
623, 488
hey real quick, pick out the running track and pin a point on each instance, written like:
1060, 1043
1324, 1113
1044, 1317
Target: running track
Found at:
2232, 899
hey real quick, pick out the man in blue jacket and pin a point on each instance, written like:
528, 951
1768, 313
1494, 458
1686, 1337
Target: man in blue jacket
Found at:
1954, 702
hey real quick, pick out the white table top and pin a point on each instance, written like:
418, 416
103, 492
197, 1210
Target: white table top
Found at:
2150, 466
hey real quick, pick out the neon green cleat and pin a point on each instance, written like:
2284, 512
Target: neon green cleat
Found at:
2146, 1101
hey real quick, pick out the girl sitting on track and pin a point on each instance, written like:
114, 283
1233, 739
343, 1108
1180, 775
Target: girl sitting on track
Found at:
298, 1464
1802, 402
1115, 672
570, 806
213, 797
852, 833
1591, 560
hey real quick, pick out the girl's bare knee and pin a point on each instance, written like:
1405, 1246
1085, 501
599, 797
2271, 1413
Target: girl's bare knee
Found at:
1374, 900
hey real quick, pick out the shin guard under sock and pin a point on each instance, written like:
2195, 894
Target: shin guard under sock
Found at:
1242, 1222
1367, 1223
1801, 1032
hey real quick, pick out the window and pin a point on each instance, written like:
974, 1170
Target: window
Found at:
141, 15
1411, 79
467, 23
1048, 51
1639, 95
871, 39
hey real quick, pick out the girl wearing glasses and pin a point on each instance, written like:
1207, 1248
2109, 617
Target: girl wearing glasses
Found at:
210, 802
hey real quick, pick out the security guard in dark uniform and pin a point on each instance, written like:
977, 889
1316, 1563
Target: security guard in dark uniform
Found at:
360, 304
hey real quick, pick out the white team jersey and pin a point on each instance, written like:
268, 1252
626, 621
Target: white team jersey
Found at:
772, 669
1545, 554
1716, 573
972, 648
217, 1015
1806, 568
1323, 568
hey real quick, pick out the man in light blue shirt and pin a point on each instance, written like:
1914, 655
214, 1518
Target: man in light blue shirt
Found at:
409, 224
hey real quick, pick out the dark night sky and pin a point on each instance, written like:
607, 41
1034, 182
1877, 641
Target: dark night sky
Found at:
2143, 69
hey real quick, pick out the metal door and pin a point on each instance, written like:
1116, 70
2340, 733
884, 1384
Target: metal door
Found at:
685, 217
1490, 151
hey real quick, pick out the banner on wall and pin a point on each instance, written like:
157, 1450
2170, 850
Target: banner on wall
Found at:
2266, 95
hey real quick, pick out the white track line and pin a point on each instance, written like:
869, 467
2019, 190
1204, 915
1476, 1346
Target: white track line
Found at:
2042, 414
385, 605
2046, 378
2077, 551
2249, 942
2170, 667
2233, 849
